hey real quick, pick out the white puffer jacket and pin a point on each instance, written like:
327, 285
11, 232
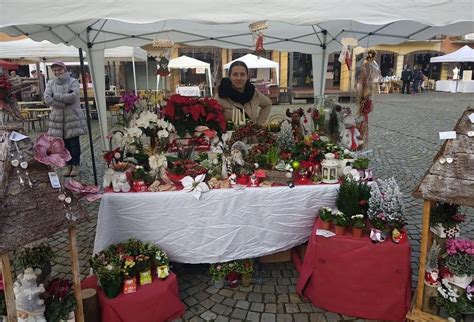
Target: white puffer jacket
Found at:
66, 119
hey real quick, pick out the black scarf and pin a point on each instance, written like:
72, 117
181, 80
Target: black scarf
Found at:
226, 90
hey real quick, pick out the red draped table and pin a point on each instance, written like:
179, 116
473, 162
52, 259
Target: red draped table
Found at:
356, 277
155, 302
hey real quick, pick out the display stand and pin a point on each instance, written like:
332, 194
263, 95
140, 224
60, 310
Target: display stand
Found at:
459, 178
32, 214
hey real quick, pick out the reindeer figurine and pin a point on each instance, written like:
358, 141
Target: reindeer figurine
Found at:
295, 121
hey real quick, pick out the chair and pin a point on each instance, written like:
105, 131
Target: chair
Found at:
26, 117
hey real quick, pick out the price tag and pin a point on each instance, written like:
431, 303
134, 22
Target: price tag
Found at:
447, 135
471, 117
54, 180
15, 136
324, 233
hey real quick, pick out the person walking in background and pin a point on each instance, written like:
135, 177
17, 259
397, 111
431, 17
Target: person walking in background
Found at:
417, 79
66, 120
240, 100
406, 79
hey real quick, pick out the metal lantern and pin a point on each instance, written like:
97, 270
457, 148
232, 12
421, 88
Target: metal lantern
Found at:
329, 170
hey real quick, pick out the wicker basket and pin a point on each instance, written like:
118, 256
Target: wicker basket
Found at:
277, 176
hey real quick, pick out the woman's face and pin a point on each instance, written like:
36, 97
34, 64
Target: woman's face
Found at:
238, 77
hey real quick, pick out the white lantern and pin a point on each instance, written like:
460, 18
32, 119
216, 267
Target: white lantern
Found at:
329, 170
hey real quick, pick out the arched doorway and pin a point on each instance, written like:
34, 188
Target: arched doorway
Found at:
421, 59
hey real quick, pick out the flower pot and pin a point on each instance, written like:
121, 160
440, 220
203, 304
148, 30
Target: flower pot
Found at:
139, 186
129, 285
340, 230
325, 225
246, 279
232, 279
461, 280
111, 287
444, 232
145, 277
162, 271
218, 284
357, 232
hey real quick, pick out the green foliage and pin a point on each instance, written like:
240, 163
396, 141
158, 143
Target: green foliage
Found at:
340, 219
353, 198
59, 300
273, 155
361, 163
358, 221
445, 214
35, 257
246, 266
141, 174
460, 263
325, 214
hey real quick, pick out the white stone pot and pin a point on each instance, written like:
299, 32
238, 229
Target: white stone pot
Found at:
443, 232
461, 280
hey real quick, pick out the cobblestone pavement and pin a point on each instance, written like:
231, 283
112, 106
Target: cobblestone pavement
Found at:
404, 139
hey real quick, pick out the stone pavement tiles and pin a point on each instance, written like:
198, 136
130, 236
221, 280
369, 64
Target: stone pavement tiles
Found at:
403, 138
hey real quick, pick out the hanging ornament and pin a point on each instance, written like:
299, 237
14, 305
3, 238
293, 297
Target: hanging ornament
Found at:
256, 30
163, 70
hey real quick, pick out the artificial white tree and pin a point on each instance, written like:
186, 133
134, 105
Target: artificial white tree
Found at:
27, 294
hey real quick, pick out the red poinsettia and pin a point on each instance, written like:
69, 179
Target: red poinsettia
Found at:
187, 113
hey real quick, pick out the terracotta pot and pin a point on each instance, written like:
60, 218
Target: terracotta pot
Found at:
246, 279
325, 225
340, 230
357, 232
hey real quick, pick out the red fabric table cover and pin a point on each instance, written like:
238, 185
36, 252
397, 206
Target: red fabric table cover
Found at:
155, 302
356, 277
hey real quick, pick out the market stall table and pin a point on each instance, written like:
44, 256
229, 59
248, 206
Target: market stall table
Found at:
453, 86
155, 302
355, 277
193, 91
225, 224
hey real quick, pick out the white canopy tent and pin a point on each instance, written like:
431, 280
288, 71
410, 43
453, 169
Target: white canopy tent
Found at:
464, 54
314, 27
46, 51
253, 61
185, 62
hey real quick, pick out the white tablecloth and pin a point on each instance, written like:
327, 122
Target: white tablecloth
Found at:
450, 86
224, 225
188, 91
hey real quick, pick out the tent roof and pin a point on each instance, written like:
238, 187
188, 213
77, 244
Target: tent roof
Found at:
187, 62
253, 61
311, 12
30, 49
452, 183
463, 54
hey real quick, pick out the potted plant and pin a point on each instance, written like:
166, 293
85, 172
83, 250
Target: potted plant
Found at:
162, 263
218, 273
362, 165
358, 224
325, 213
141, 179
451, 303
143, 265
108, 268
246, 271
341, 222
232, 278
459, 259
352, 197
38, 257
445, 220
129, 269
60, 301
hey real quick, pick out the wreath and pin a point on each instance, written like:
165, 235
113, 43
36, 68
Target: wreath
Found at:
250, 130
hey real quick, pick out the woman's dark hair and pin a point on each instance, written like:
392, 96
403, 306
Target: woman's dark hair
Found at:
238, 63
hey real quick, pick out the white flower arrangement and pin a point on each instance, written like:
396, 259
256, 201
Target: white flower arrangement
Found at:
196, 185
447, 291
158, 161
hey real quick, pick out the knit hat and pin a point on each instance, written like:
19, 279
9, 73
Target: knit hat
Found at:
59, 64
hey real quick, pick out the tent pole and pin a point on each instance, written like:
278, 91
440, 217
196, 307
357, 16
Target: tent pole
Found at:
88, 116
290, 80
134, 74
323, 69
147, 80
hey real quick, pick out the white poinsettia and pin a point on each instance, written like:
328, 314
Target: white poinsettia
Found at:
197, 185
158, 161
162, 123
